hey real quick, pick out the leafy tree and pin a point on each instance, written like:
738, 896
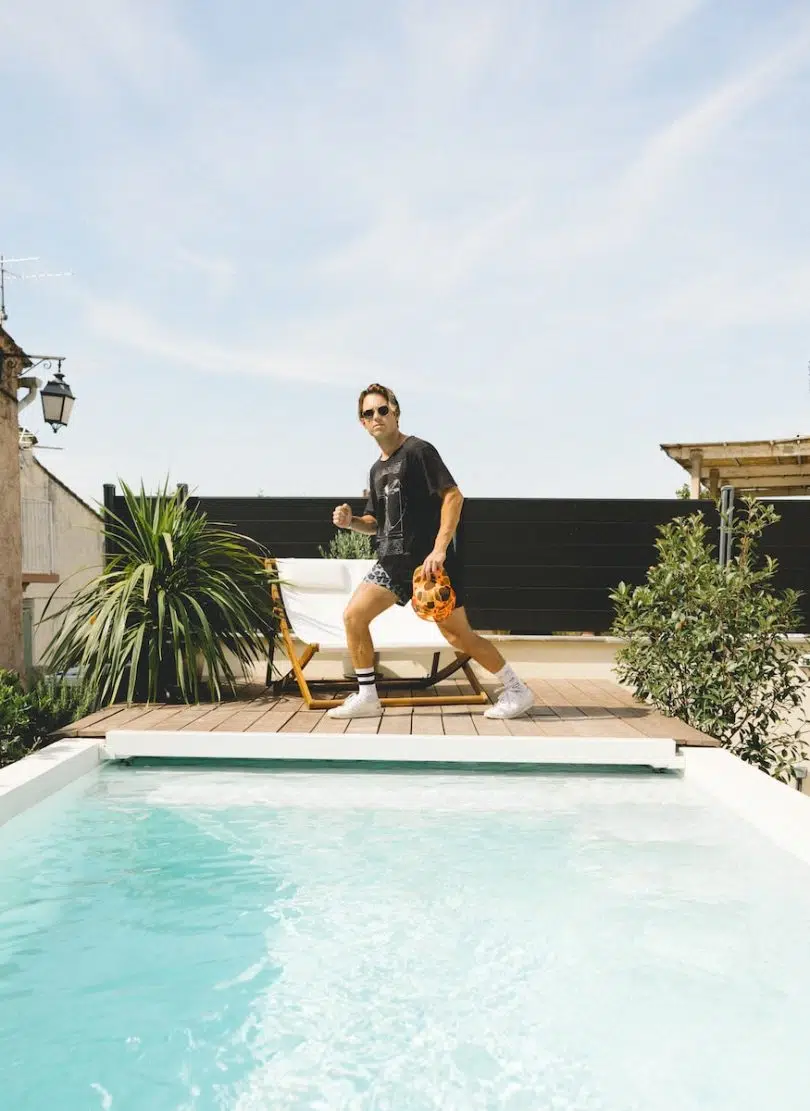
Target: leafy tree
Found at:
708, 644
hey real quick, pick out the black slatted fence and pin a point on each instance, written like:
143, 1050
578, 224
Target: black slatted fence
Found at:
543, 566
533, 566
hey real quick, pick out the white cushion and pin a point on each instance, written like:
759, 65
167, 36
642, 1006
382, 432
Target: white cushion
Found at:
325, 576
315, 593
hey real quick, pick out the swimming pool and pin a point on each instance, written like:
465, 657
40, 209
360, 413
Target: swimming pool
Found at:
196, 938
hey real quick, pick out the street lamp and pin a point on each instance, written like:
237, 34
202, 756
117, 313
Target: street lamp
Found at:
57, 396
57, 401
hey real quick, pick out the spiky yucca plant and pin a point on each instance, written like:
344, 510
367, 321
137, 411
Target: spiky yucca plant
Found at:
176, 597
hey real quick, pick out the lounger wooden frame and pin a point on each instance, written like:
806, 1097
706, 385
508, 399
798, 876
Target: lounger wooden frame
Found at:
309, 688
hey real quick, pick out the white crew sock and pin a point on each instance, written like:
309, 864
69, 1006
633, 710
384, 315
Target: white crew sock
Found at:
509, 678
366, 684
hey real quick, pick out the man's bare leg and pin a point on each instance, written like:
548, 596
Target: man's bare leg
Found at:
458, 632
517, 698
368, 601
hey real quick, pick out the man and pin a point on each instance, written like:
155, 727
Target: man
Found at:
413, 509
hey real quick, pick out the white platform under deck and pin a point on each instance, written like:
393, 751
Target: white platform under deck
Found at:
653, 752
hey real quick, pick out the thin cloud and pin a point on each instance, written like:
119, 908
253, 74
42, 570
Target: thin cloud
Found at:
636, 29
454, 41
777, 296
130, 326
220, 273
620, 213
437, 255
669, 152
89, 46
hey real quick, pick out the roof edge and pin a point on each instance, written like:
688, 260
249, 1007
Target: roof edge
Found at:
64, 486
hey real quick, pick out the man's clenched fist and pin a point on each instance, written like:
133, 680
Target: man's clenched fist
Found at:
342, 516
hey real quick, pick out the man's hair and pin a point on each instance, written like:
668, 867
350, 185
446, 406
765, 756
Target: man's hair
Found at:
383, 391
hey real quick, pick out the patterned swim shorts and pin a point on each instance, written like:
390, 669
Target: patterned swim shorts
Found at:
399, 580
399, 583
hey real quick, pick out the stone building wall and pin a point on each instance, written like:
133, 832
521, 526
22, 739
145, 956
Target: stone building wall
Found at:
78, 547
11, 645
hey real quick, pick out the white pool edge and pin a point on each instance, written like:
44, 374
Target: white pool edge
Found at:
778, 811
36, 777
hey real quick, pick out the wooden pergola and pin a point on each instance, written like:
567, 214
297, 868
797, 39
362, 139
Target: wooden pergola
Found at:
762, 468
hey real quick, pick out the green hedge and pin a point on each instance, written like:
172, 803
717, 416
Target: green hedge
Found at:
28, 718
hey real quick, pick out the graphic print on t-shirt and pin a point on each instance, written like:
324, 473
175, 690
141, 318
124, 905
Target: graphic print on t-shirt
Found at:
393, 515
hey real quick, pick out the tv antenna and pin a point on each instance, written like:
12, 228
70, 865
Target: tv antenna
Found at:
6, 273
29, 440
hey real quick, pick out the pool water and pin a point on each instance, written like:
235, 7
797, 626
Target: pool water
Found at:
237, 940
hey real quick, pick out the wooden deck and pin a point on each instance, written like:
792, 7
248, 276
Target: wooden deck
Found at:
565, 708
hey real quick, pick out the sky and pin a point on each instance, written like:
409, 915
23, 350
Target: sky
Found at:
563, 234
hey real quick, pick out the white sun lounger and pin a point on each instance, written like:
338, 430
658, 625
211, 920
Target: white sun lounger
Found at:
313, 593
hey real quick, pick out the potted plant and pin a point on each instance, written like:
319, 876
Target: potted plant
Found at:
181, 607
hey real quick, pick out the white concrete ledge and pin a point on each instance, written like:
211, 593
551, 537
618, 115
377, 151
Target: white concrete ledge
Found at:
43, 773
655, 752
779, 812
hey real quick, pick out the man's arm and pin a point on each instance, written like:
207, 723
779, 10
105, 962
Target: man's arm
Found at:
367, 524
452, 501
343, 518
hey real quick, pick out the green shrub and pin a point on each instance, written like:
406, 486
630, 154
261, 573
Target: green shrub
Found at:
178, 596
346, 544
707, 644
685, 493
29, 718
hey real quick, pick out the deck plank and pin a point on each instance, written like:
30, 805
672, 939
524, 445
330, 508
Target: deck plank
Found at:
590, 702
458, 725
543, 692
523, 727
428, 711
156, 718
396, 720
457, 720
239, 722
548, 695
123, 717
213, 721
398, 711
363, 725
539, 727
189, 714
426, 725
92, 721
330, 725
602, 692
489, 727
395, 724
302, 721
559, 726
272, 721
658, 725
645, 720
601, 720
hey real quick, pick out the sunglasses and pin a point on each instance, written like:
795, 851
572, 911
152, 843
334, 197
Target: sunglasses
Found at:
383, 410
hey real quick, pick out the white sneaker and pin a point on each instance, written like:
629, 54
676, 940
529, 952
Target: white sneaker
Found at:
511, 704
357, 706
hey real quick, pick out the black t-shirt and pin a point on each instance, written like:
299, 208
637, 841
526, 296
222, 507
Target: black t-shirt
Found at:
404, 497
